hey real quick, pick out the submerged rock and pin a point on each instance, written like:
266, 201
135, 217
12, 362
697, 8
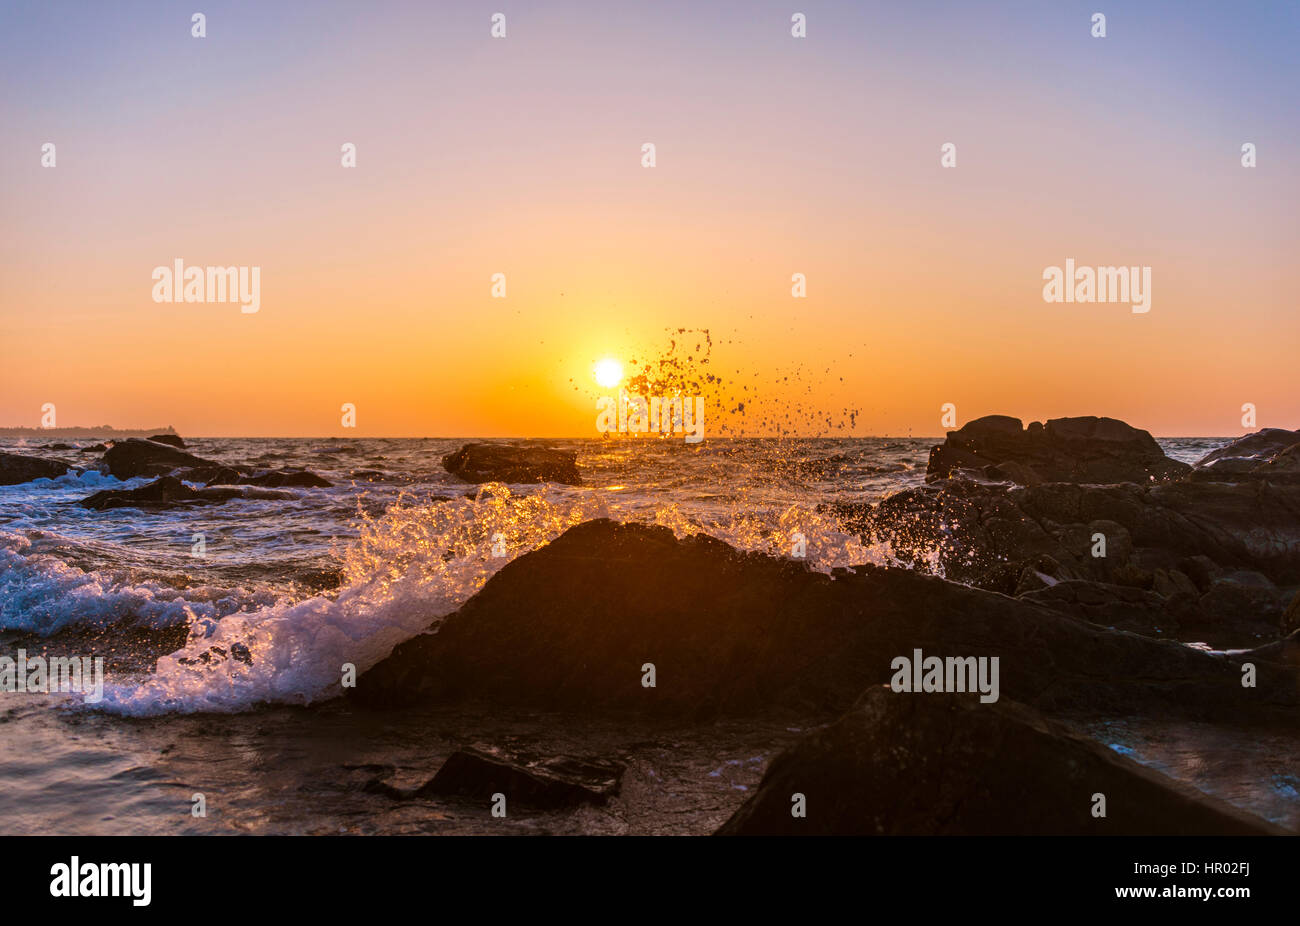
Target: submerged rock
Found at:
513, 463
16, 468
581, 623
171, 492
219, 475
139, 457
301, 479
945, 764
558, 781
1087, 449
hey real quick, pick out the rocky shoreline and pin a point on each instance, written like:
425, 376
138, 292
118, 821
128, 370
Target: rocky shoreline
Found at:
580, 626
1073, 553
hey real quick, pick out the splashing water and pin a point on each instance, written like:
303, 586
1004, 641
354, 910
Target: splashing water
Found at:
409, 568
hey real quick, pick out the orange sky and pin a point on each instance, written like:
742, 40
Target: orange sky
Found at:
522, 156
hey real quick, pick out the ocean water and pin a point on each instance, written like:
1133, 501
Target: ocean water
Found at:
396, 543
343, 574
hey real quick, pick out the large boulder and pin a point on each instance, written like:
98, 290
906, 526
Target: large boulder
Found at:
581, 623
17, 468
139, 457
513, 463
1087, 449
1181, 541
171, 440
171, 492
945, 764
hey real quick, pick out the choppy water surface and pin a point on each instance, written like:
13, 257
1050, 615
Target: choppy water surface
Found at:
343, 574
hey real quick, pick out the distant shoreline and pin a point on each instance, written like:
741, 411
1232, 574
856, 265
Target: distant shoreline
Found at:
107, 432
103, 431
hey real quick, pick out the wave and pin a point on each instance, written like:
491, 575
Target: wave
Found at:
411, 566
42, 593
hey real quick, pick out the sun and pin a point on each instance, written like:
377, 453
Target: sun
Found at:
609, 372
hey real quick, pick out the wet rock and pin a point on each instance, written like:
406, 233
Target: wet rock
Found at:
1116, 606
171, 492
287, 478
58, 447
1086, 450
219, 475
575, 625
945, 764
1175, 539
215, 655
94, 448
172, 440
513, 463
1012, 471
139, 457
215, 474
553, 782
1251, 456
16, 468
1283, 466
1291, 617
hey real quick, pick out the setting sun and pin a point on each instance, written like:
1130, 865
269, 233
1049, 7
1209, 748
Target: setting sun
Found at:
609, 372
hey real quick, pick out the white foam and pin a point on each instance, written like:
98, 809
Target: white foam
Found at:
43, 594
411, 566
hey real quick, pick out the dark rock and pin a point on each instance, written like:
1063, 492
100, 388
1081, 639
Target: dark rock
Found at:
212, 475
58, 447
1116, 606
1283, 466
170, 492
1291, 618
229, 475
1174, 539
1012, 471
172, 440
94, 448
287, 478
378, 785
1245, 456
17, 468
215, 655
571, 625
542, 783
1088, 450
138, 457
944, 764
513, 463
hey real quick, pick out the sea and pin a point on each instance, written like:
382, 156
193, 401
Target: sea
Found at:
301, 584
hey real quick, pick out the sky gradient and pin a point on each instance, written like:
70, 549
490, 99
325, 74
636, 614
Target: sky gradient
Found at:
522, 156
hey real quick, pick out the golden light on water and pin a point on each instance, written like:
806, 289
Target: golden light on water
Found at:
609, 372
